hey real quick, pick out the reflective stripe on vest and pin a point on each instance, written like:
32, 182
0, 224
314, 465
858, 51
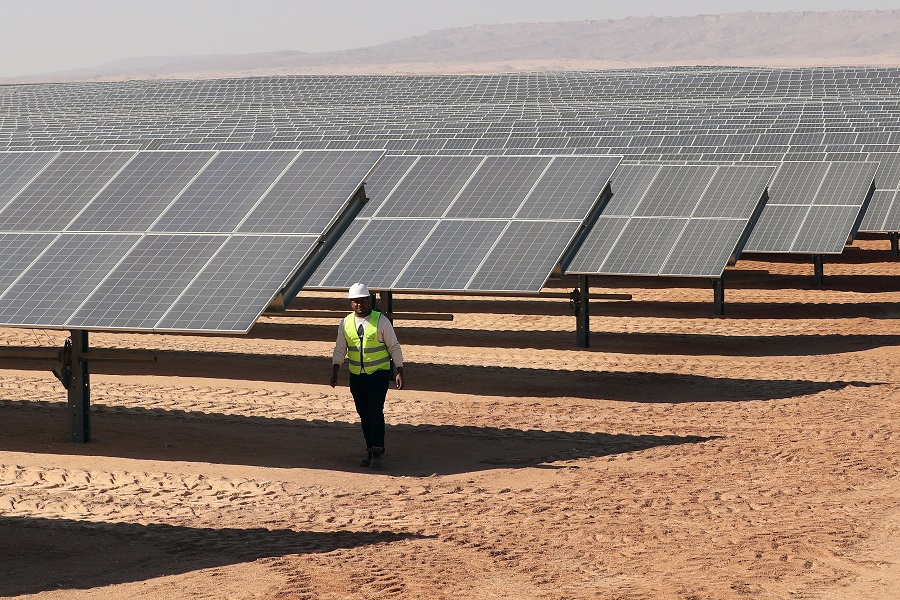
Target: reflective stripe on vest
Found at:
375, 355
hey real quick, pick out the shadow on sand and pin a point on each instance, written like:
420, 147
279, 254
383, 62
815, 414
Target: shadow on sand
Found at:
413, 450
129, 552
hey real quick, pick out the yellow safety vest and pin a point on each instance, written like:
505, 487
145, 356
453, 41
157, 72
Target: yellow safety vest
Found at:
374, 355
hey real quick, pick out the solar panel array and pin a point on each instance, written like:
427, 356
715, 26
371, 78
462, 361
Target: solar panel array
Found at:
162, 240
675, 115
813, 207
673, 220
466, 223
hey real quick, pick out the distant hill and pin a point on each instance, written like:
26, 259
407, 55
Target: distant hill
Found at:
748, 38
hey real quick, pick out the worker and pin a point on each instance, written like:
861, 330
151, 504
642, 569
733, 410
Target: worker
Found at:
367, 339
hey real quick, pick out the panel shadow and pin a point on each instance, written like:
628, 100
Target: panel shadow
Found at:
41, 555
669, 344
476, 380
412, 450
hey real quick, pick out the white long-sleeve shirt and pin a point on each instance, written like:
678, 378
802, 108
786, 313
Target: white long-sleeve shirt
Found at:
386, 335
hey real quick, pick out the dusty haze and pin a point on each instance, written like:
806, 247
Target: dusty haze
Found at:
741, 39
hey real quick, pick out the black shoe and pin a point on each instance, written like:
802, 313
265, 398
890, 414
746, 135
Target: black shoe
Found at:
367, 460
375, 460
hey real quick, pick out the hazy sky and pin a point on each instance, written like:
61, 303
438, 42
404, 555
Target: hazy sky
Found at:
38, 36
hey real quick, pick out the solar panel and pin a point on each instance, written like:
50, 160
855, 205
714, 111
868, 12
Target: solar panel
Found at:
61, 190
373, 253
730, 192
704, 248
311, 192
786, 224
892, 219
396, 248
797, 182
643, 246
235, 286
629, 185
17, 252
499, 187
777, 232
846, 183
17, 169
139, 291
876, 215
106, 277
136, 197
383, 179
227, 189
451, 255
569, 188
717, 205
431, 186
524, 256
675, 192
62, 278
825, 230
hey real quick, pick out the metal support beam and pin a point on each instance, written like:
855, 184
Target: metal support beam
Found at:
718, 285
387, 303
79, 390
818, 269
895, 242
582, 313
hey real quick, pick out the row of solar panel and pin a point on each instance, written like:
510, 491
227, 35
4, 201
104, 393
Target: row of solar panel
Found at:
209, 192
170, 255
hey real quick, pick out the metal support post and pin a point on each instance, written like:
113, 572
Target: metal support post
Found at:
79, 390
718, 285
818, 269
582, 314
387, 303
895, 242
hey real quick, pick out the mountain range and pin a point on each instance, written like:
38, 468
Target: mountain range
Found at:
739, 39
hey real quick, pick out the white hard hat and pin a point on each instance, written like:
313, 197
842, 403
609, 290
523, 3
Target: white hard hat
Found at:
358, 290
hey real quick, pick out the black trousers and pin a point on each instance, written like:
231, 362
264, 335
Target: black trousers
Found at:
369, 392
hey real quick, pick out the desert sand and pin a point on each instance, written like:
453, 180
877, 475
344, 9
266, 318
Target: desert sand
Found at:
684, 455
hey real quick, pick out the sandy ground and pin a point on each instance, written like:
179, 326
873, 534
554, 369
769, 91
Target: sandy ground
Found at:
684, 455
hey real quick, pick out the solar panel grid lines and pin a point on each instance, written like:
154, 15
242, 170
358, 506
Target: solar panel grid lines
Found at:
496, 189
569, 187
430, 186
875, 218
524, 256
631, 182
706, 198
842, 180
777, 233
132, 281
18, 251
71, 180
62, 278
374, 251
600, 239
653, 236
382, 183
139, 290
308, 196
722, 196
219, 198
463, 244
17, 170
145, 186
704, 247
236, 285
825, 229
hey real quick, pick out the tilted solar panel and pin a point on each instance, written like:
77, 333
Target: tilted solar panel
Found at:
504, 223
689, 221
101, 265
